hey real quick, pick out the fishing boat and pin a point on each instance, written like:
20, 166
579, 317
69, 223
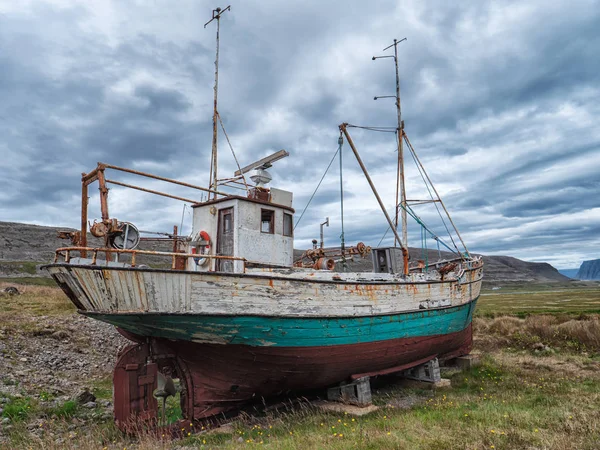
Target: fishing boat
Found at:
234, 316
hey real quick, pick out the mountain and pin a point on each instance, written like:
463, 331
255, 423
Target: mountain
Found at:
571, 273
507, 268
589, 270
23, 247
496, 268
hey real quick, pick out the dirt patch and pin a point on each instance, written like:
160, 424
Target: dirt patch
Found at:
57, 354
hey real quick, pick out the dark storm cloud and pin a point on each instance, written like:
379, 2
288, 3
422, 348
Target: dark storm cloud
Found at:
162, 100
552, 203
60, 125
147, 131
500, 101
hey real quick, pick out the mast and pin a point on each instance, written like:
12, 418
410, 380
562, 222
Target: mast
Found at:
344, 130
216, 14
400, 157
400, 186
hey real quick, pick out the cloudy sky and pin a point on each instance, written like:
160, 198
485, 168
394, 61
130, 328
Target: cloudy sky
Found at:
500, 100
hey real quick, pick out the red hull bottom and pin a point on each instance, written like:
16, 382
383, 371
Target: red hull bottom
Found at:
217, 378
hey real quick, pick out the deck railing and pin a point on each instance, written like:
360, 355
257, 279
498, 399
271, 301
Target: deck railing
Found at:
65, 252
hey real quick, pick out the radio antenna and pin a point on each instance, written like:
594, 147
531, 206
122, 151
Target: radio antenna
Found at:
216, 14
400, 173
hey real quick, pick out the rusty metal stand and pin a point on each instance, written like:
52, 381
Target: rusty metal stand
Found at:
134, 381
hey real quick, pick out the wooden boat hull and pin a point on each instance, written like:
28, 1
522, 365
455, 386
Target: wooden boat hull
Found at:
219, 378
232, 338
291, 332
288, 293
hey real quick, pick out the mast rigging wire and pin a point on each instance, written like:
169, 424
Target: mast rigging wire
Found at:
417, 219
379, 129
317, 188
230, 146
411, 150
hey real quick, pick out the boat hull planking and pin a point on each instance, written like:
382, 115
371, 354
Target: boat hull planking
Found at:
217, 379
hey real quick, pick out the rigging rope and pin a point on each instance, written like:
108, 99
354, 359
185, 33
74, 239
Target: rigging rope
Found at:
384, 235
317, 188
409, 210
417, 219
424, 250
434, 203
379, 129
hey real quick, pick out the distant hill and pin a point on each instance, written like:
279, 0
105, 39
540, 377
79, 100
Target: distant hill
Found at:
25, 242
23, 247
589, 270
507, 268
496, 268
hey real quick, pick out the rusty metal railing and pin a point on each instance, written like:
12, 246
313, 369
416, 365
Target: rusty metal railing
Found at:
65, 252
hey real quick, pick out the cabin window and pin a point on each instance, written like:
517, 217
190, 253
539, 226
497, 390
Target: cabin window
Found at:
267, 221
227, 223
288, 228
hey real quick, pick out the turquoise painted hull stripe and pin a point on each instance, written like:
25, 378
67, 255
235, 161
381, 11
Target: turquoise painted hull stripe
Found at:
294, 332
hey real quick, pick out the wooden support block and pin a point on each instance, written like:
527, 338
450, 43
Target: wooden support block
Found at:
429, 371
357, 392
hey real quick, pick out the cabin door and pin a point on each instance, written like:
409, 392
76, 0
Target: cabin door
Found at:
225, 240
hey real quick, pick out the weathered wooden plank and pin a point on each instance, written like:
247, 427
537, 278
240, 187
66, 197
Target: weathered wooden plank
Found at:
115, 289
221, 380
293, 332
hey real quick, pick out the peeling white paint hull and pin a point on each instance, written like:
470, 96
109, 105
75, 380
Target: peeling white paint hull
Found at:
287, 293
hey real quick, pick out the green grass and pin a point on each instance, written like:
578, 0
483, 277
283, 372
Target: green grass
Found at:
33, 301
518, 398
494, 405
533, 299
9, 381
23, 266
102, 388
30, 281
46, 396
19, 409
67, 410
173, 409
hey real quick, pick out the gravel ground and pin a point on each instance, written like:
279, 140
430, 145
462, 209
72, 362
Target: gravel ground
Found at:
53, 361
62, 355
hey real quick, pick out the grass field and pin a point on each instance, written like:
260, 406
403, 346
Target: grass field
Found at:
513, 401
522, 299
538, 388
